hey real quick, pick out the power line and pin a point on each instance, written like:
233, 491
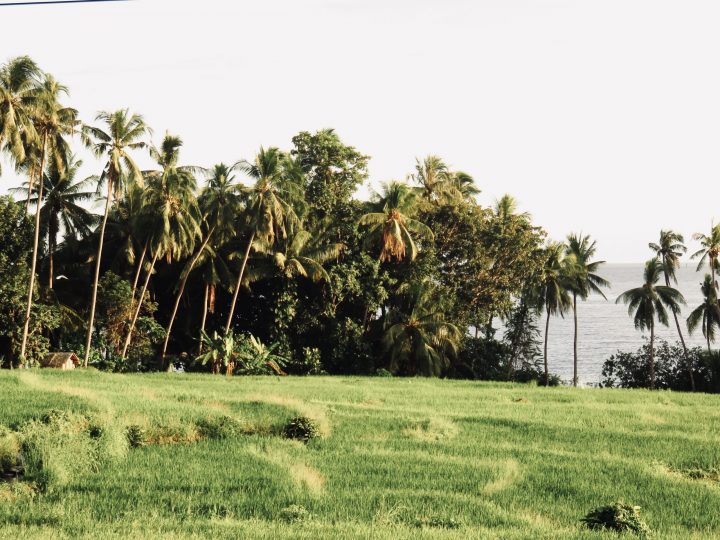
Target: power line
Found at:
49, 2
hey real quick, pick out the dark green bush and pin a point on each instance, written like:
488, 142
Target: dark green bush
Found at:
617, 517
295, 513
136, 436
438, 523
301, 428
219, 427
382, 372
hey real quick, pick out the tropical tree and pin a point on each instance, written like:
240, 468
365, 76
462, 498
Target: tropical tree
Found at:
433, 177
52, 122
553, 290
269, 211
707, 314
61, 207
417, 338
709, 251
173, 217
583, 281
391, 225
462, 185
121, 133
649, 302
19, 81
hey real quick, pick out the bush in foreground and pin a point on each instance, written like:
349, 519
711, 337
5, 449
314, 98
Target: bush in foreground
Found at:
301, 428
617, 517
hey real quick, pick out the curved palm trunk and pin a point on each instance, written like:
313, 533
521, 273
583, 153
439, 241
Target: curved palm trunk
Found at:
36, 242
31, 184
575, 341
138, 271
181, 290
204, 318
93, 303
52, 244
136, 314
652, 356
239, 282
682, 339
545, 355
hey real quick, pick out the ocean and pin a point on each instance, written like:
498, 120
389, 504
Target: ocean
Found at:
605, 327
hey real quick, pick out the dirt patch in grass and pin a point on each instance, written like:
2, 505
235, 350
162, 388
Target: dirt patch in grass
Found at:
508, 473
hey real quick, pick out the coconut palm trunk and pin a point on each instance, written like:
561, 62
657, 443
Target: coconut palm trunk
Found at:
93, 302
545, 349
239, 283
204, 318
138, 270
52, 245
575, 341
181, 290
652, 356
36, 242
136, 314
680, 334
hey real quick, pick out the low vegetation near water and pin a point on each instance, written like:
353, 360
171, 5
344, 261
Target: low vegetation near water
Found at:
188, 455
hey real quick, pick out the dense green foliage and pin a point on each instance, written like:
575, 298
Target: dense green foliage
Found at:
396, 458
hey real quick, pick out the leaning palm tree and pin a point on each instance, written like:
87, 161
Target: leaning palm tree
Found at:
269, 209
583, 281
120, 133
173, 220
707, 314
53, 123
462, 186
710, 251
417, 338
649, 302
668, 250
19, 82
391, 225
61, 207
553, 288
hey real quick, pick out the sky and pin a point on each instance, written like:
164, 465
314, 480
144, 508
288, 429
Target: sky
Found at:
599, 116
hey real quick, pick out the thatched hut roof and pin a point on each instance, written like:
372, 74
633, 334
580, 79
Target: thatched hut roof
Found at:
59, 359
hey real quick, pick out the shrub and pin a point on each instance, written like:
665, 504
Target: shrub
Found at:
301, 428
382, 372
9, 450
219, 427
438, 523
618, 517
136, 436
295, 513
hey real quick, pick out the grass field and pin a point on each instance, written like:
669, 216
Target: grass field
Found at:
399, 458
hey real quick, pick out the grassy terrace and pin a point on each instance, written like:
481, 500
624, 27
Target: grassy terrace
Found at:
399, 458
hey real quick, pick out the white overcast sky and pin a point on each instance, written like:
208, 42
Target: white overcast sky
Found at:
599, 116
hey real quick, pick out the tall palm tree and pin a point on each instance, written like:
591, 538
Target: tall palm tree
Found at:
53, 123
61, 208
19, 82
583, 281
707, 314
269, 210
668, 250
120, 133
433, 178
417, 337
462, 185
553, 290
391, 225
651, 301
173, 217
710, 251
214, 273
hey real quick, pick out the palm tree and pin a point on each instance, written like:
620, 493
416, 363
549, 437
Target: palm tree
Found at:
651, 301
19, 81
463, 185
707, 314
214, 273
121, 132
52, 122
583, 281
433, 178
669, 250
269, 209
61, 207
709, 252
553, 290
173, 220
391, 225
417, 337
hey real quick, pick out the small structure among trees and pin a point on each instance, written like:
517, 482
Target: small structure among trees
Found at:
60, 360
